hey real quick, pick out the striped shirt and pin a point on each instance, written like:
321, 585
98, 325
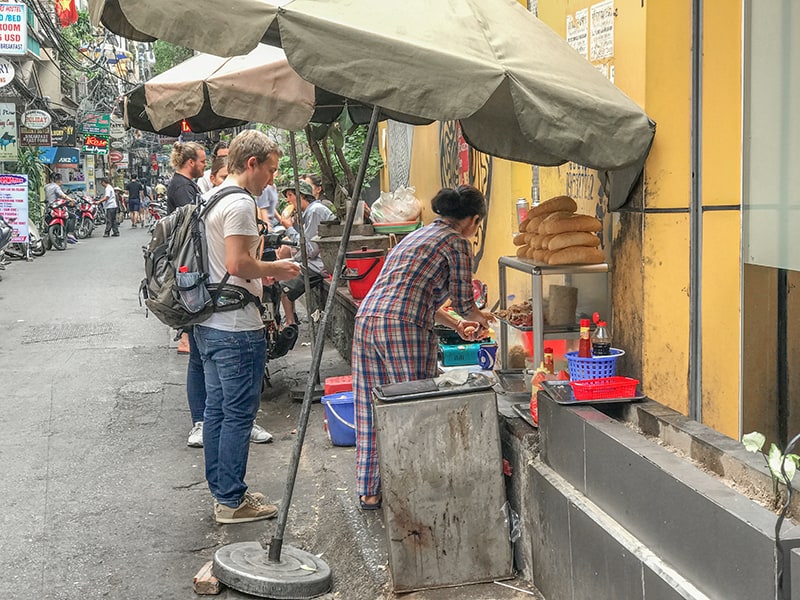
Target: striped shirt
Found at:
426, 268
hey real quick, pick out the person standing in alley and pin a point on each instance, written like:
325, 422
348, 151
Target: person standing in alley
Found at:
110, 200
205, 183
53, 192
189, 160
195, 378
232, 343
394, 339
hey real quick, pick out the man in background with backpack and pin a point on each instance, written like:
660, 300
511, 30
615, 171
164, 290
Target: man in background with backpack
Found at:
232, 343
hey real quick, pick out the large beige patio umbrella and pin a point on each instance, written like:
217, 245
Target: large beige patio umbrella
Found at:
210, 92
518, 89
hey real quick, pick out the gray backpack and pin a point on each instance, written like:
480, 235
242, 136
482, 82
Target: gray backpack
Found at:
179, 240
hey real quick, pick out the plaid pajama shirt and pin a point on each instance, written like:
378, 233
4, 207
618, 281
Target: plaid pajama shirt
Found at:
393, 339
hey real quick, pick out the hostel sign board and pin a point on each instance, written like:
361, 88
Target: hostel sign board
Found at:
13, 28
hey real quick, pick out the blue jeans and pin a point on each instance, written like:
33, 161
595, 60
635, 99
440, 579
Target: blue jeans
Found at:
195, 381
233, 363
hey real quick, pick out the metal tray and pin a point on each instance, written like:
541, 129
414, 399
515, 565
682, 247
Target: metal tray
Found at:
512, 381
524, 411
561, 392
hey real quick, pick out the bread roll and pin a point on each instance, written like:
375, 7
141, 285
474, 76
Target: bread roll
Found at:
557, 203
522, 251
554, 216
524, 223
531, 252
573, 223
520, 239
533, 225
572, 238
534, 239
576, 255
544, 242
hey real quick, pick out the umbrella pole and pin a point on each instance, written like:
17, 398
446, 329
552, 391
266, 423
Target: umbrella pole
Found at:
276, 543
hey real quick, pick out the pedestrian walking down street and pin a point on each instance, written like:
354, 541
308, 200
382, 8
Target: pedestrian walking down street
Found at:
195, 378
135, 192
232, 344
110, 200
393, 339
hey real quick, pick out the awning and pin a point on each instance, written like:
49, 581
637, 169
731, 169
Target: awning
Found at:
59, 156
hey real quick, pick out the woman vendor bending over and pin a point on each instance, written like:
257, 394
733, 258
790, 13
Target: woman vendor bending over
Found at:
394, 339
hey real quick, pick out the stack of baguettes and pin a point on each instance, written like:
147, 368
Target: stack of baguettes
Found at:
554, 234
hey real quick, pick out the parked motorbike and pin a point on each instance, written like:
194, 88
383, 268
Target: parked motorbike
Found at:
155, 212
279, 342
100, 214
55, 219
18, 251
87, 211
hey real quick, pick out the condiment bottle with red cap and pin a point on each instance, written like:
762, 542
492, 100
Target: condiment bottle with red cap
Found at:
601, 340
585, 344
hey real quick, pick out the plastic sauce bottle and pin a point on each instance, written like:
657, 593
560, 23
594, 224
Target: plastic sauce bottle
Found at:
601, 340
549, 363
585, 346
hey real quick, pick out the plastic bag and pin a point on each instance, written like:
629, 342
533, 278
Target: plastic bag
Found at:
397, 207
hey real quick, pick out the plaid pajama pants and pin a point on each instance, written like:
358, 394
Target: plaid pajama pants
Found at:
384, 351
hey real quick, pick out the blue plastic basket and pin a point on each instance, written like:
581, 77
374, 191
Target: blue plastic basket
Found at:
593, 368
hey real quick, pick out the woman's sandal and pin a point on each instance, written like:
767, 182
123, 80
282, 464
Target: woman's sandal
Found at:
369, 505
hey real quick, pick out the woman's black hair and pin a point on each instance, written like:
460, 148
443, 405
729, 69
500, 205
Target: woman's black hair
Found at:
460, 203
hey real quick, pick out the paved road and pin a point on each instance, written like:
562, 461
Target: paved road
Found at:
101, 496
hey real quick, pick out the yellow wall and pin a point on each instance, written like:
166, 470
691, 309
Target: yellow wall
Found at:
649, 243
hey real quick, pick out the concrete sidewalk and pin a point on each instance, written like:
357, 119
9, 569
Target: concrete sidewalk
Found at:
103, 499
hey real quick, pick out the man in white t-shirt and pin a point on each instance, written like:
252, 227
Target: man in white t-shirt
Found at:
110, 200
232, 343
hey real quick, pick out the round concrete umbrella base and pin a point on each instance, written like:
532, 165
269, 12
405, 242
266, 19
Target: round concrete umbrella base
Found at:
245, 566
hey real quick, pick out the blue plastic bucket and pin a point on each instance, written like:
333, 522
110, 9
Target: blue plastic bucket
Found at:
340, 418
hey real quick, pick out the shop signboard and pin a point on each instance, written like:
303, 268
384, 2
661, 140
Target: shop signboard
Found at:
88, 168
8, 131
34, 137
36, 119
13, 28
115, 156
6, 72
14, 204
124, 162
96, 124
64, 135
95, 144
117, 130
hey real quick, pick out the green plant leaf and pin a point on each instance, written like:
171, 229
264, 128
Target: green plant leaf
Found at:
754, 442
776, 458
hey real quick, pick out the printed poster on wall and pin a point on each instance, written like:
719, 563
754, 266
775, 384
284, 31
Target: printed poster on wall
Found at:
14, 204
602, 30
8, 131
578, 31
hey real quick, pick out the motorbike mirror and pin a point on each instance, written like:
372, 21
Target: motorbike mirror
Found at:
279, 230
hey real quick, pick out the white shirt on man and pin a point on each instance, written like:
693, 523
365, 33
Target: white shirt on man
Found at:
232, 215
111, 197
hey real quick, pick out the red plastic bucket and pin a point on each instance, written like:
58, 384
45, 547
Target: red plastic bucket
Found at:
361, 270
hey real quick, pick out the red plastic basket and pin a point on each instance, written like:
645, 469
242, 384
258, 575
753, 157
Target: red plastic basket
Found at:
604, 388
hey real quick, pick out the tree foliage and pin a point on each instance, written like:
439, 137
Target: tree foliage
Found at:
168, 55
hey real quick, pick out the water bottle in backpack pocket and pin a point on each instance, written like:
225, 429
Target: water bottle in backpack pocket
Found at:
192, 288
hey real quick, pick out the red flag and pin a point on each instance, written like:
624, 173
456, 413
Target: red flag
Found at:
67, 12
